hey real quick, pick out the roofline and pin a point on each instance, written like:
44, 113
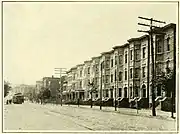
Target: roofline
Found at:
138, 38
109, 52
170, 25
87, 61
50, 78
79, 65
96, 57
73, 68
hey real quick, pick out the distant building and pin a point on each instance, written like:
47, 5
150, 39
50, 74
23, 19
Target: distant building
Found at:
39, 86
52, 84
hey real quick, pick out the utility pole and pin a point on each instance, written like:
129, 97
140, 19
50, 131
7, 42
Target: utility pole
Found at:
101, 66
117, 79
174, 75
152, 55
60, 72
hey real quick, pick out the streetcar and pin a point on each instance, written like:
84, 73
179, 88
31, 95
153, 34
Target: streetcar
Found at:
18, 98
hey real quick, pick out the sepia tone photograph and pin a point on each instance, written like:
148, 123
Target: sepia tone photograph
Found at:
90, 66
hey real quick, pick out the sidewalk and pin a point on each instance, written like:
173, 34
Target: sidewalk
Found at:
127, 111
133, 112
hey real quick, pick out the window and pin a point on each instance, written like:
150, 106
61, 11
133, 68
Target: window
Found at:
168, 44
131, 54
120, 59
136, 54
115, 76
143, 72
120, 76
120, 92
111, 77
125, 75
111, 62
80, 84
159, 46
107, 64
96, 95
96, 66
125, 58
136, 75
107, 95
144, 52
88, 70
81, 73
131, 75
115, 60
107, 79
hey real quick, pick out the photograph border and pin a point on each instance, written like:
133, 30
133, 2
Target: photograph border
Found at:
91, 1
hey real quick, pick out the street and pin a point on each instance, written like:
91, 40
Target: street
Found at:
31, 116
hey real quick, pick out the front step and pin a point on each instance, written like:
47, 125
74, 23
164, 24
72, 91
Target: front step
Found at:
124, 102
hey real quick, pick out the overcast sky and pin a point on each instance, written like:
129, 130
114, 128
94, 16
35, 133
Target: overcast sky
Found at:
41, 36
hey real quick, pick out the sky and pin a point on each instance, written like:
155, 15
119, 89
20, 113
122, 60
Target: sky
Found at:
38, 37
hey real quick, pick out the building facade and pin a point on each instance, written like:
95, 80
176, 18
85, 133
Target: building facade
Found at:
126, 71
52, 84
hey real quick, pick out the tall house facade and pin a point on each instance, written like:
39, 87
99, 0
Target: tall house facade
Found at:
105, 73
164, 53
79, 80
86, 78
138, 63
95, 76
